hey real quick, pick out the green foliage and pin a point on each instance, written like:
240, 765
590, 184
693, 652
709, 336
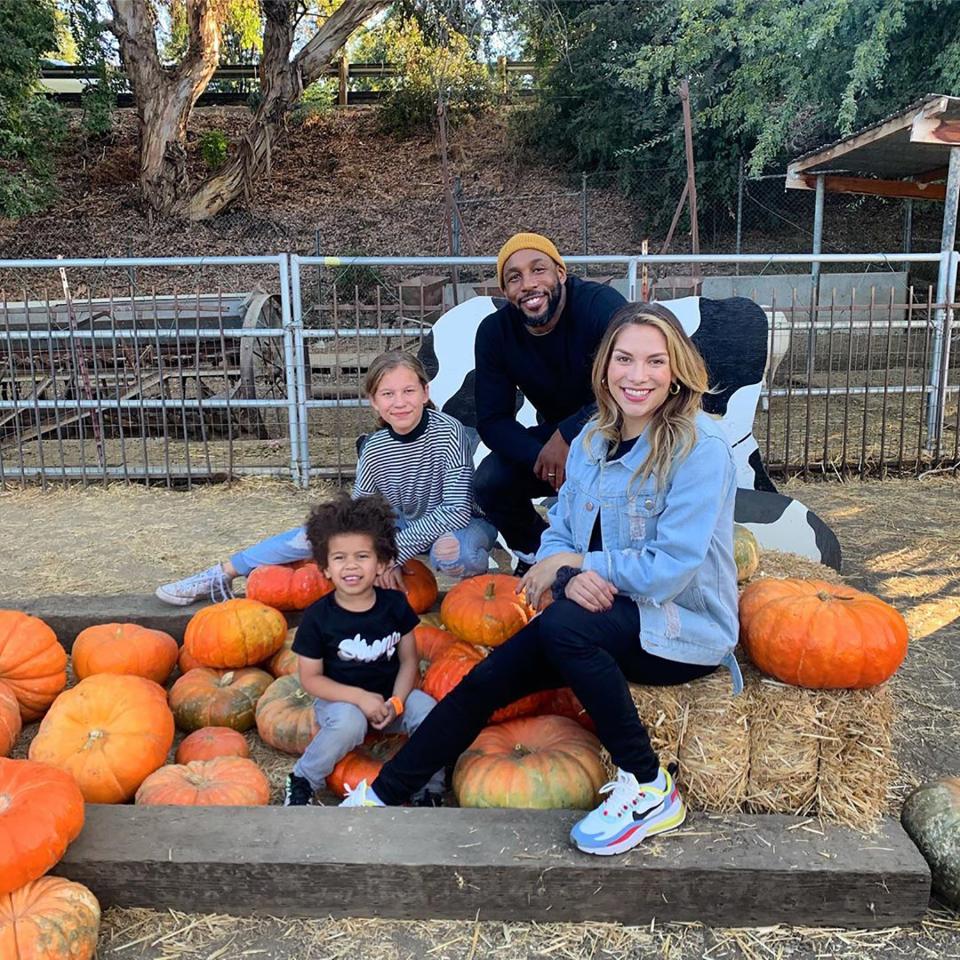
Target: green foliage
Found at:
429, 68
241, 40
93, 47
213, 148
30, 126
769, 80
317, 99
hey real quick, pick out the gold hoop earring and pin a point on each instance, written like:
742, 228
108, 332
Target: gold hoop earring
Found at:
674, 388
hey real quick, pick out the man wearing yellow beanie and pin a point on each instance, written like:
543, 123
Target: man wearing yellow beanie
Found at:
541, 342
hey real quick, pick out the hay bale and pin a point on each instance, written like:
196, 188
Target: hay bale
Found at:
776, 748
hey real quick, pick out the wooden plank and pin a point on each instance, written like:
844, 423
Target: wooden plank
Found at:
936, 130
907, 189
503, 864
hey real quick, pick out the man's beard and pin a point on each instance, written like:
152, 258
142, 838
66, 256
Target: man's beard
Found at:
553, 305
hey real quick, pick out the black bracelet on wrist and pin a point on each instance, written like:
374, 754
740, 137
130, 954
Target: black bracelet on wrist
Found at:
564, 576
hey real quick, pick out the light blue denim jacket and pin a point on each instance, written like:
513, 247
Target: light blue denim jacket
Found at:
671, 549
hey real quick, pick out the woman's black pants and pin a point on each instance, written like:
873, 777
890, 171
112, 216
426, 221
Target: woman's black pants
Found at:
594, 653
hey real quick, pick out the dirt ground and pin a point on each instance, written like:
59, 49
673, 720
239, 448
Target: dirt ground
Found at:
900, 540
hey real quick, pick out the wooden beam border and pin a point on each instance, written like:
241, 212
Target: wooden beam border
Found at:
410, 863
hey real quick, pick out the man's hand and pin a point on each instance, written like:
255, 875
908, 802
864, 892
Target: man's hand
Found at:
590, 591
374, 707
391, 579
541, 575
552, 460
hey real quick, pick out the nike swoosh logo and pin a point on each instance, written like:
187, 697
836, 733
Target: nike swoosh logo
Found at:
646, 813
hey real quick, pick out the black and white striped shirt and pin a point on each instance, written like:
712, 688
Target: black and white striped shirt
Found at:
425, 475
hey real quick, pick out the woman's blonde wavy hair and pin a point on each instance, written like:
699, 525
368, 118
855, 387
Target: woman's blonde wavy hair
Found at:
671, 430
383, 364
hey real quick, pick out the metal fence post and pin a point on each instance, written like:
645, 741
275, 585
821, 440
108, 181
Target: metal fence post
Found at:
300, 441
739, 211
584, 213
289, 324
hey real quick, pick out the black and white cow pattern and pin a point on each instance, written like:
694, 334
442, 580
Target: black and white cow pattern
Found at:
732, 336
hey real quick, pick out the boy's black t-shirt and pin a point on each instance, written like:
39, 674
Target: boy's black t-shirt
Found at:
359, 649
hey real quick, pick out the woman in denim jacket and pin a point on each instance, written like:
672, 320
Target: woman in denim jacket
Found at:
639, 556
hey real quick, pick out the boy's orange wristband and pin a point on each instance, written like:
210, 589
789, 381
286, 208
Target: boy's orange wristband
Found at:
397, 705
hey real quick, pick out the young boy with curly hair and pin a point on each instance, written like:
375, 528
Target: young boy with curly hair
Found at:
355, 646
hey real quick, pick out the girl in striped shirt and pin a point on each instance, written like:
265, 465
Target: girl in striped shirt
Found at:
419, 460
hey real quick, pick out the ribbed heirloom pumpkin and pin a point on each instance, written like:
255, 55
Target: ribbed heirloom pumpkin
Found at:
820, 635
32, 662
110, 732
532, 763
235, 633
432, 641
49, 919
124, 648
218, 698
285, 717
485, 610
931, 816
41, 813
221, 782
210, 742
746, 552
284, 662
288, 587
10, 720
365, 762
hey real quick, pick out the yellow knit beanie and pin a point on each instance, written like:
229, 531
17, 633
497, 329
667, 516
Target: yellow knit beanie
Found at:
526, 241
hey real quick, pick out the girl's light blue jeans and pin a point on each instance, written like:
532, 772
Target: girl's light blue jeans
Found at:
475, 540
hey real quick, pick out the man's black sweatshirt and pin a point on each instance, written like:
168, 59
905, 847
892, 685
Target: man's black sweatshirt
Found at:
552, 371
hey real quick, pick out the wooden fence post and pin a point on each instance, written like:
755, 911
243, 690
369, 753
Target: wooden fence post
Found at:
343, 97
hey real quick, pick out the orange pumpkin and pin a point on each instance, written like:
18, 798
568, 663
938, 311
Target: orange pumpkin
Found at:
235, 633
536, 762
420, 585
218, 698
365, 762
285, 662
820, 635
485, 610
285, 717
454, 664
10, 720
109, 731
186, 662
288, 588
41, 813
565, 703
49, 919
124, 648
432, 641
32, 662
221, 782
209, 742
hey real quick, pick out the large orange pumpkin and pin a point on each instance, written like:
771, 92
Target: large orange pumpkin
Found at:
32, 662
285, 661
221, 782
454, 664
285, 717
485, 610
420, 584
288, 588
365, 762
535, 762
109, 731
209, 742
41, 813
186, 661
124, 648
821, 635
49, 919
218, 698
10, 720
235, 633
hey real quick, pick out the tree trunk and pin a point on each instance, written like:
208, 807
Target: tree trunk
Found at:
165, 95
282, 83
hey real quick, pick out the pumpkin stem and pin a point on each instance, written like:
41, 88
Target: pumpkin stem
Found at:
520, 750
92, 738
226, 679
824, 596
490, 592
